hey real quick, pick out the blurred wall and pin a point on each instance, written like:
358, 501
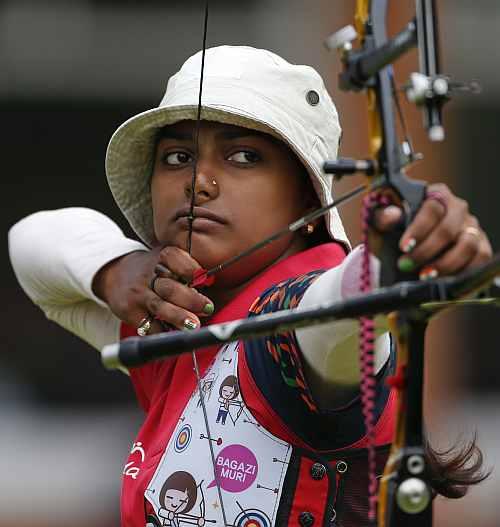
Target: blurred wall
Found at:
70, 72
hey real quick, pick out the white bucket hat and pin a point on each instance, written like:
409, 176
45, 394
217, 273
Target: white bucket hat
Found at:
243, 86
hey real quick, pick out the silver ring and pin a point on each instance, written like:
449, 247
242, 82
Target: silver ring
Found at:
144, 326
163, 272
474, 231
152, 283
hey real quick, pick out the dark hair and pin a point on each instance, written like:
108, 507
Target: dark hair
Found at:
231, 381
320, 234
184, 482
455, 469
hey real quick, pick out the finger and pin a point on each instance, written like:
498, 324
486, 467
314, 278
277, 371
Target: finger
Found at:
484, 251
443, 234
183, 296
146, 321
179, 262
427, 218
171, 314
460, 255
161, 270
387, 218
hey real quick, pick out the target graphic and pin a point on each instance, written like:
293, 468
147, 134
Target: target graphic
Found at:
252, 518
183, 438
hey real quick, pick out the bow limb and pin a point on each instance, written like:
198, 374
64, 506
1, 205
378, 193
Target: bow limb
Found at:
405, 493
361, 19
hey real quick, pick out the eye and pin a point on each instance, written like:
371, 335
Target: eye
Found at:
176, 158
244, 157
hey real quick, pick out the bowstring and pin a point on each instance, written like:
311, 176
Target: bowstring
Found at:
197, 133
189, 247
209, 435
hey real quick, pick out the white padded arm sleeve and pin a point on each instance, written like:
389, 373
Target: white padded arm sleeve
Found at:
55, 256
331, 350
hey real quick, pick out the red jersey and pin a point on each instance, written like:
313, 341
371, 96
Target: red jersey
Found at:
325, 446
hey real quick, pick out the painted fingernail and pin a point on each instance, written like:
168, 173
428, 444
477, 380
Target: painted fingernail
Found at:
428, 272
190, 324
405, 264
208, 309
408, 245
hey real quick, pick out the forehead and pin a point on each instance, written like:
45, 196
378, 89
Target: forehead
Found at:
186, 130
175, 493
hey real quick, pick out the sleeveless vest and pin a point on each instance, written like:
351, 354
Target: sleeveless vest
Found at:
267, 475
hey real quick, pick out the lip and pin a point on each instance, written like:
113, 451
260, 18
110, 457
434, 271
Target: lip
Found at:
199, 212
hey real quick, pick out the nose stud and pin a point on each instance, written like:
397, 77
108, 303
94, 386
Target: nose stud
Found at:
214, 182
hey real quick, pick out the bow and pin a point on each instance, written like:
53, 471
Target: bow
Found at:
405, 490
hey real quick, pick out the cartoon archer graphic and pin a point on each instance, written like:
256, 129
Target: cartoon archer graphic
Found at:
206, 387
228, 391
178, 496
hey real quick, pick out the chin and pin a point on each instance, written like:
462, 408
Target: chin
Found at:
207, 254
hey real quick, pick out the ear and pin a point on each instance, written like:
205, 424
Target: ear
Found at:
312, 203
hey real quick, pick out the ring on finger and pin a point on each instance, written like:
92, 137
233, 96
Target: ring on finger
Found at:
161, 269
144, 326
153, 282
473, 231
164, 272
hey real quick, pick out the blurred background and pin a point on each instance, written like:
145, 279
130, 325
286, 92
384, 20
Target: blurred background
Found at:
70, 72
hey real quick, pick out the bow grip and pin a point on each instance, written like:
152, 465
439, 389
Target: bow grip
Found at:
409, 195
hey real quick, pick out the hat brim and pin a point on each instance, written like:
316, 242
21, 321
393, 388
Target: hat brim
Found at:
130, 158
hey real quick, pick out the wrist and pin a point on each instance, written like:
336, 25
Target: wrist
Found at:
103, 281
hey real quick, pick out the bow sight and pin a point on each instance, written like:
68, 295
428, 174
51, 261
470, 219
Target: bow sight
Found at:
427, 88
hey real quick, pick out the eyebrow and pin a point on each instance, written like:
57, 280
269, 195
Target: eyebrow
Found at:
168, 133
240, 133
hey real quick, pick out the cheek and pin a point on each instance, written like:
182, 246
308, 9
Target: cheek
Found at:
159, 192
164, 200
285, 199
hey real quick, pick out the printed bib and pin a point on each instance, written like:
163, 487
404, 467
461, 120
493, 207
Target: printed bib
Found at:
250, 462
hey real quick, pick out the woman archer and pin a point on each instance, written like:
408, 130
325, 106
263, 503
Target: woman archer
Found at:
266, 128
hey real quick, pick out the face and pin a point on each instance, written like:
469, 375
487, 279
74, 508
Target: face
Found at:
175, 500
227, 392
248, 186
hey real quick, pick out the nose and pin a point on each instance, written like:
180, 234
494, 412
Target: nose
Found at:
206, 186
